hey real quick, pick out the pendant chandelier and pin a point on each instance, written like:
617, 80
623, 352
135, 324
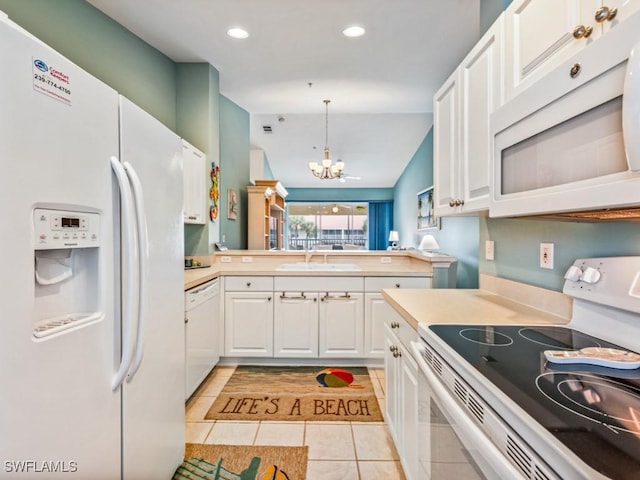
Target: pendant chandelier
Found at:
325, 170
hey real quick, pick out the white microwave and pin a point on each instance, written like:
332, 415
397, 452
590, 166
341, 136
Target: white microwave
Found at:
571, 142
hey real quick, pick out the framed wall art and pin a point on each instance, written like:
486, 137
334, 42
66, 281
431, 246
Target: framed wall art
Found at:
232, 204
426, 217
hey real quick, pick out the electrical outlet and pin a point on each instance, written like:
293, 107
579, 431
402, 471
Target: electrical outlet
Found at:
385, 259
546, 255
247, 259
225, 259
488, 250
224, 238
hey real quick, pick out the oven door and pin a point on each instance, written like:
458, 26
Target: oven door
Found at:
451, 445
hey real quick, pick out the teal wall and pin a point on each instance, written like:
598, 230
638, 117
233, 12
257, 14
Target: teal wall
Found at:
457, 237
234, 152
103, 48
517, 246
198, 122
339, 194
489, 11
417, 176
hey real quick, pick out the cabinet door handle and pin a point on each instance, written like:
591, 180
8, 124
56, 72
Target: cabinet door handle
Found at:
395, 324
186, 320
605, 14
346, 296
393, 348
248, 284
268, 299
452, 203
582, 32
300, 297
397, 285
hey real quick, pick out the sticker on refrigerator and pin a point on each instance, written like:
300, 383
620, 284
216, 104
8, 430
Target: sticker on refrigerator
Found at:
51, 81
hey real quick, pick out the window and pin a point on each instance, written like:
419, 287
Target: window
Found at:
313, 225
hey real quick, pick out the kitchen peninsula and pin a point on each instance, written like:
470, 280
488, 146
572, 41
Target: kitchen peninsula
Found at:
275, 306
439, 269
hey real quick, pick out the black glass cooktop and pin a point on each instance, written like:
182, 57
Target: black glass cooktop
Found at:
594, 411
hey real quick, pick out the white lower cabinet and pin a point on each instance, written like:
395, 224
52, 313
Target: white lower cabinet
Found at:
248, 324
401, 383
309, 317
341, 324
296, 325
376, 309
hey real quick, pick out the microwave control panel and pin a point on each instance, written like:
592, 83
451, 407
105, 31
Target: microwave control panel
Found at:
54, 229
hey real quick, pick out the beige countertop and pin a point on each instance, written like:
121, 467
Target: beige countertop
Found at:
510, 303
400, 264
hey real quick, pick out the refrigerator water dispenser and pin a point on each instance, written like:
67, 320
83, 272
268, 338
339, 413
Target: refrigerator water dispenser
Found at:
66, 270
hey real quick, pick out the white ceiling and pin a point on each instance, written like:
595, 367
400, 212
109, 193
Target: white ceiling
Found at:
380, 85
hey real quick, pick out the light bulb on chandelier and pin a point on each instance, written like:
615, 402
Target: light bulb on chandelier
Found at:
326, 170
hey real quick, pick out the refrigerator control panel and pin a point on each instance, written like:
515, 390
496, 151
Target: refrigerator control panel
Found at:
55, 229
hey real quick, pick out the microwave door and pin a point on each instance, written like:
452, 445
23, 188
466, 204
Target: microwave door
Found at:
631, 110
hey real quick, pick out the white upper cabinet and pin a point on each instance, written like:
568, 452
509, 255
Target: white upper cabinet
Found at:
462, 144
446, 145
543, 33
195, 198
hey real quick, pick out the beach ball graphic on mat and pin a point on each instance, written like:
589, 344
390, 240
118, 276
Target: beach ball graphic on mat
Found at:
335, 378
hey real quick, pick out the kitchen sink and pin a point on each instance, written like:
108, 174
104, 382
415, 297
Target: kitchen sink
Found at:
319, 267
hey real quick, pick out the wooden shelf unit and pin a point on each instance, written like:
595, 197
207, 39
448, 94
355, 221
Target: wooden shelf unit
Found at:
266, 215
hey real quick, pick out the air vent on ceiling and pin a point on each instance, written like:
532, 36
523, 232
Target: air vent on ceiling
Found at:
267, 129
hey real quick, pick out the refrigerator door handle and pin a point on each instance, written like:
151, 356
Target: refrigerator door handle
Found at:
127, 271
143, 257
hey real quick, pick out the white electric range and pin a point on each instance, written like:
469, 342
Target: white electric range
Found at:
492, 406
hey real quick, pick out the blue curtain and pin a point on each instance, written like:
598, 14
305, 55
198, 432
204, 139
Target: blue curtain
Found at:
380, 224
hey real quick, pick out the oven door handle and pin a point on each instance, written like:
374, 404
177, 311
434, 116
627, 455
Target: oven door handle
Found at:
484, 452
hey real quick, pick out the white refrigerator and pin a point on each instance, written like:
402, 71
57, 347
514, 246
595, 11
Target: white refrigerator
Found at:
91, 275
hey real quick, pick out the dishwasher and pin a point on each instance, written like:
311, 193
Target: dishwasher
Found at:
202, 320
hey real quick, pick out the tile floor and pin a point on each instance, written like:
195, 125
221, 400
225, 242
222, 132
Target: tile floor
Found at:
337, 450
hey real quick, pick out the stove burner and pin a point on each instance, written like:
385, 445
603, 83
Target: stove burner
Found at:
486, 336
558, 338
614, 404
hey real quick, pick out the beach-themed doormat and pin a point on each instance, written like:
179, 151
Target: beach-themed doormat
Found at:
296, 394
217, 462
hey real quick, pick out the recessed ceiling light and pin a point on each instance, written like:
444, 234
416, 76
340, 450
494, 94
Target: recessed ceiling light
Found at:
237, 32
353, 31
